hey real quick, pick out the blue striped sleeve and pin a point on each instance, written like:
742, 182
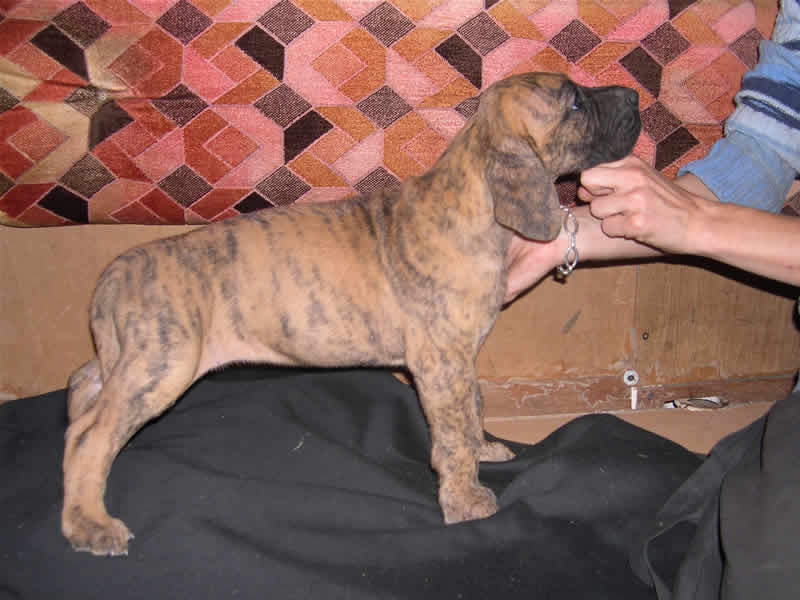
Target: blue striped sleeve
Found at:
756, 161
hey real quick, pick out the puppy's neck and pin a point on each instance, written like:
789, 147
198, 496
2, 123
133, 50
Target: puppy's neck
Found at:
463, 165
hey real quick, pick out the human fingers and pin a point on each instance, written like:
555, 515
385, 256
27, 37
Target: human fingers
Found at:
593, 192
604, 202
598, 181
606, 177
619, 225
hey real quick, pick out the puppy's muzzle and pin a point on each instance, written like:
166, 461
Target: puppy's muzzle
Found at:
618, 121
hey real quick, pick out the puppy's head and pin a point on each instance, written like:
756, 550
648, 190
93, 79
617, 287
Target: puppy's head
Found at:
538, 126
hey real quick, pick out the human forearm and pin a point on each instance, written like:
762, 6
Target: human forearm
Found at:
754, 240
594, 245
757, 241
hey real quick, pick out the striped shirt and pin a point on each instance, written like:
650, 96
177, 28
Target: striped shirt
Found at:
756, 161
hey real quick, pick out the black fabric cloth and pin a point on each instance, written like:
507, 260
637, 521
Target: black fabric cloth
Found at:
316, 484
735, 521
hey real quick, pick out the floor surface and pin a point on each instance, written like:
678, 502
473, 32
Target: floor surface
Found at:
697, 430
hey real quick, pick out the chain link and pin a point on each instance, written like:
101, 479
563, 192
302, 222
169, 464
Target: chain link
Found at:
571, 255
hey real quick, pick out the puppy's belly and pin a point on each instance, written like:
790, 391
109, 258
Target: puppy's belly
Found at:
334, 345
216, 358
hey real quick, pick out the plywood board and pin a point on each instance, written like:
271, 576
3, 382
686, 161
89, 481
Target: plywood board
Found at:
514, 397
577, 328
48, 277
696, 322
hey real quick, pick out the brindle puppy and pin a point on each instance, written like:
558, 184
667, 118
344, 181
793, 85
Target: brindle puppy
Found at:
409, 277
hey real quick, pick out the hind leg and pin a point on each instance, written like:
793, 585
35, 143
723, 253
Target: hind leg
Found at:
490, 451
84, 385
134, 393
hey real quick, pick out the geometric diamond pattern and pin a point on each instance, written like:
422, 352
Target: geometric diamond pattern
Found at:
286, 21
378, 179
87, 176
677, 143
665, 43
184, 186
184, 21
337, 64
283, 187
36, 140
304, 132
81, 24
658, 122
135, 65
106, 121
575, 41
232, 146
181, 105
746, 47
384, 107
5, 184
678, 6
188, 110
86, 99
483, 33
252, 202
387, 24
644, 69
7, 100
283, 105
468, 107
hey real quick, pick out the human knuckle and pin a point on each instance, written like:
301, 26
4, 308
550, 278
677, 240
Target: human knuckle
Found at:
637, 223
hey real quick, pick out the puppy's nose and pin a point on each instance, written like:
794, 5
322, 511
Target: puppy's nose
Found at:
631, 98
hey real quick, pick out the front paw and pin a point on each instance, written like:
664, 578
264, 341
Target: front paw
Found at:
108, 537
467, 503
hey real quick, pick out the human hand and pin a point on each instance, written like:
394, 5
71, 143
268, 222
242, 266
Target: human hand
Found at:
635, 212
636, 202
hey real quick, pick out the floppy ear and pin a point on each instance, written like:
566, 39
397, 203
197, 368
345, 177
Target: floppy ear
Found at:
524, 196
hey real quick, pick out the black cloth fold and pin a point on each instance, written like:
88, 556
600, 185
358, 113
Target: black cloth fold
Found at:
276, 483
732, 529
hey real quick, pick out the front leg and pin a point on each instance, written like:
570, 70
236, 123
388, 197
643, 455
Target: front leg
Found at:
448, 392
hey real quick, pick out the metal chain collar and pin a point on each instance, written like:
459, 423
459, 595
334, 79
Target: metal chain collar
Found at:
571, 255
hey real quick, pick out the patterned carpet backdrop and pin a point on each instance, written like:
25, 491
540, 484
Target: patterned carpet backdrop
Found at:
156, 111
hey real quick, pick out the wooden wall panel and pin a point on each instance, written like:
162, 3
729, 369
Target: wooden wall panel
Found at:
698, 321
48, 276
580, 327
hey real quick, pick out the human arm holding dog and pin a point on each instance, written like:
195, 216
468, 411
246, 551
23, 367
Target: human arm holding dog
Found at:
718, 207
633, 201
635, 212
529, 261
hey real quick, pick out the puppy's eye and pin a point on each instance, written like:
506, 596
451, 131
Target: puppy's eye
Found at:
577, 104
